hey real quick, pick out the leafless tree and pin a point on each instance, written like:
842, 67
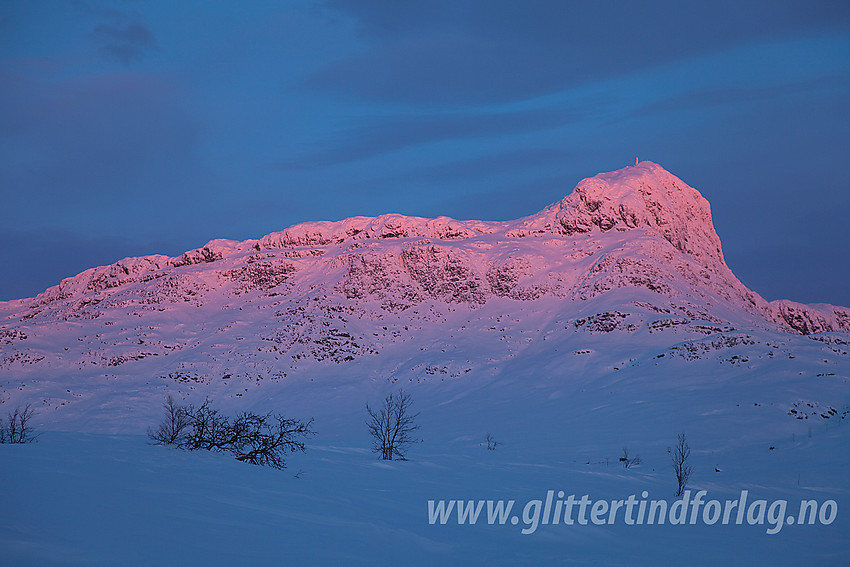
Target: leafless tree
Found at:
173, 426
491, 442
628, 460
392, 426
680, 454
17, 428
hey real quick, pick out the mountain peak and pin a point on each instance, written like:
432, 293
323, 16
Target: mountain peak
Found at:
640, 196
631, 254
640, 227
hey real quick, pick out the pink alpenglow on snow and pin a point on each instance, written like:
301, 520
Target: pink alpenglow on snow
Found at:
632, 250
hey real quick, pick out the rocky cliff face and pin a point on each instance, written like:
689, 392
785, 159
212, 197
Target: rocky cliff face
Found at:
632, 251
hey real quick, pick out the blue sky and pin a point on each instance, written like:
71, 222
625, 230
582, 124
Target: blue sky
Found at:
131, 128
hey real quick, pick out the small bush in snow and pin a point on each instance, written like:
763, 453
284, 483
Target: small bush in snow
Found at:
171, 429
17, 429
629, 460
251, 438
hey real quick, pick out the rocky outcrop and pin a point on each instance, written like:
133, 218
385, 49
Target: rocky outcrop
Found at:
811, 319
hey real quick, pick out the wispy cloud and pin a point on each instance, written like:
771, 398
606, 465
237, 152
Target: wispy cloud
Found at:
369, 138
447, 53
749, 95
123, 43
82, 143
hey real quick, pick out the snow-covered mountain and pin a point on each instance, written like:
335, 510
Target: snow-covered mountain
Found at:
606, 323
631, 255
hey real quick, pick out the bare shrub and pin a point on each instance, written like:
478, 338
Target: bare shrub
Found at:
629, 460
173, 426
208, 429
17, 428
259, 439
264, 439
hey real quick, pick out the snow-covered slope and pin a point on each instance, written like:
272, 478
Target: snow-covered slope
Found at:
632, 254
607, 320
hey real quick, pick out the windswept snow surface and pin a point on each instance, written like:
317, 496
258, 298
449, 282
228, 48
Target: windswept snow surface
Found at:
607, 320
